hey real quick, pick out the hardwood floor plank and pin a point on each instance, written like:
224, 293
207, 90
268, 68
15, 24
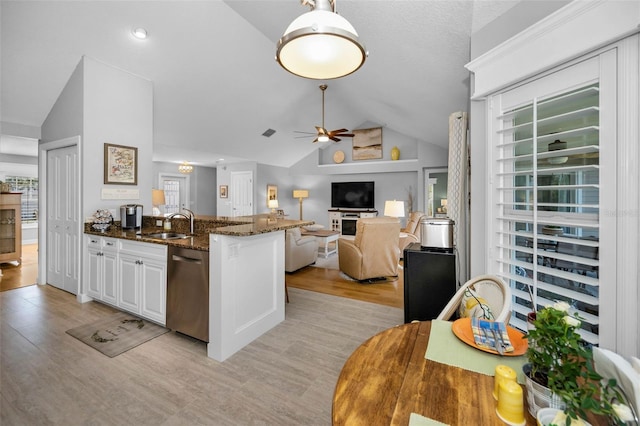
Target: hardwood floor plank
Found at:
285, 377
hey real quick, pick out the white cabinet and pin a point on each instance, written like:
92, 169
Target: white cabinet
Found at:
129, 275
337, 218
143, 279
129, 283
102, 264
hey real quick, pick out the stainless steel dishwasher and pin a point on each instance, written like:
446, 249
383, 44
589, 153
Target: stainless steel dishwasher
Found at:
188, 292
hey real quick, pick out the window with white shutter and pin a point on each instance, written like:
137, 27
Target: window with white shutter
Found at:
546, 194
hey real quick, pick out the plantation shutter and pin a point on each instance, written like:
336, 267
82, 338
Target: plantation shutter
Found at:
546, 195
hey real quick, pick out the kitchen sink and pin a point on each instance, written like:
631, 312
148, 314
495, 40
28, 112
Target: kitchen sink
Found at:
166, 236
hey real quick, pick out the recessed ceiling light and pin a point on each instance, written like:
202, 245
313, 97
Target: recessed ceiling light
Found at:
140, 33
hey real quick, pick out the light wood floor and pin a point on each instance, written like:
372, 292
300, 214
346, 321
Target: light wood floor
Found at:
285, 377
331, 281
22, 274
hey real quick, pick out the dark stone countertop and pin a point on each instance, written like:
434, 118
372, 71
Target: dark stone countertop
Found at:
204, 225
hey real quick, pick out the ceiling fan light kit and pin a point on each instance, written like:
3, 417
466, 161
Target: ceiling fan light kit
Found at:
320, 44
322, 134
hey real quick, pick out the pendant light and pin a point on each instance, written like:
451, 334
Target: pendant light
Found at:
320, 44
185, 168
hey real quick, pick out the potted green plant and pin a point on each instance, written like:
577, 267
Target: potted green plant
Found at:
560, 361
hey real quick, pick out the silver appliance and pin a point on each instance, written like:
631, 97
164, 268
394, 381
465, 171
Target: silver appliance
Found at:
437, 233
188, 292
131, 216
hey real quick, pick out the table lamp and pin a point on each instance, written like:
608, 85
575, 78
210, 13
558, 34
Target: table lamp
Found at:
273, 205
300, 194
157, 199
394, 208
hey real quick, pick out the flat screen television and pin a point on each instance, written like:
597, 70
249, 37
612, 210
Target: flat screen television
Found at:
352, 195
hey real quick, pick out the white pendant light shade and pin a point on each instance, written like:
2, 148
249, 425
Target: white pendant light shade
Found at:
320, 45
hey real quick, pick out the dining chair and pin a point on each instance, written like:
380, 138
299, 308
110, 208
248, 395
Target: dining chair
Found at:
484, 296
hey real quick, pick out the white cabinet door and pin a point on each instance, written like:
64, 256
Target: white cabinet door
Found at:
94, 260
154, 289
129, 283
110, 277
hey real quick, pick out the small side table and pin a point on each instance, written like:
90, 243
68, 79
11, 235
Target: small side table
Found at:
324, 238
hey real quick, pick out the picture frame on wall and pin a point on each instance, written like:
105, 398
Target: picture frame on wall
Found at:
367, 144
272, 193
120, 165
224, 191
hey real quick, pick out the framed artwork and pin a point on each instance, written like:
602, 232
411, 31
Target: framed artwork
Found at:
272, 193
224, 191
120, 164
367, 144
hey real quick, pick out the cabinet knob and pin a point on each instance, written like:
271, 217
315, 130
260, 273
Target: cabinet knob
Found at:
94, 241
109, 244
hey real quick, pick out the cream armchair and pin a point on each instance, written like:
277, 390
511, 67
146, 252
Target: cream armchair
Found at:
299, 251
374, 252
411, 232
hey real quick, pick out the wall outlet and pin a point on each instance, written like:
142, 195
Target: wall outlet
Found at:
159, 222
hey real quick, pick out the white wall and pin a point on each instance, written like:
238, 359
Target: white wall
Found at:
516, 19
118, 109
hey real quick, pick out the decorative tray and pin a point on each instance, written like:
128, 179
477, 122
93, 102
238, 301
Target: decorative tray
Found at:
462, 329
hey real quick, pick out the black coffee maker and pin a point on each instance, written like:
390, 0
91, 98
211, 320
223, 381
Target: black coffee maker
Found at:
131, 216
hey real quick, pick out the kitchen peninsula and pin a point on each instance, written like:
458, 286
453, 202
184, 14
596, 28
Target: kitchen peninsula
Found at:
246, 278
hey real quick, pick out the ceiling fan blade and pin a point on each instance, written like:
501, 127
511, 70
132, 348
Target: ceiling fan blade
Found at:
315, 140
321, 130
333, 138
335, 132
344, 135
303, 137
306, 133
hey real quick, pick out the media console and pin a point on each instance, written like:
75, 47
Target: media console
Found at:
344, 220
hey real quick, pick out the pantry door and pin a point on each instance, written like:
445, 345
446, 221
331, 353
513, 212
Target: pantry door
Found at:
63, 218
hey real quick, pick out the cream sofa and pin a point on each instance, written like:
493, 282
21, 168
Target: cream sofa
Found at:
374, 252
299, 251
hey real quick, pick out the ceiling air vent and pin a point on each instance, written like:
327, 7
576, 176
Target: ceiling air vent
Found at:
268, 132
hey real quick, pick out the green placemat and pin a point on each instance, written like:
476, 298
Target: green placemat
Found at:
418, 420
444, 347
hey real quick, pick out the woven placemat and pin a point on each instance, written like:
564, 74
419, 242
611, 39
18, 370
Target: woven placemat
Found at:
444, 347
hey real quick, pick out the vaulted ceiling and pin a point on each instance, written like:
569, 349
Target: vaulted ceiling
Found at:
217, 87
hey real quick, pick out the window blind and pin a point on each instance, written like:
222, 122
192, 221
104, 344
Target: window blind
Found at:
547, 203
28, 186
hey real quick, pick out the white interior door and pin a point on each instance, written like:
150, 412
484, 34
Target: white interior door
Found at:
241, 193
62, 218
176, 192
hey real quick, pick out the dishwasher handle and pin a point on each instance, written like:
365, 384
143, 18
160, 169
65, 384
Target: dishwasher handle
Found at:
185, 259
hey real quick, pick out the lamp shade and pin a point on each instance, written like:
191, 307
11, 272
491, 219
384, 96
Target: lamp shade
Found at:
300, 193
157, 197
394, 208
272, 204
320, 45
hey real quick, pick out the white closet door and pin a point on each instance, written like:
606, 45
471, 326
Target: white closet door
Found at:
241, 193
62, 218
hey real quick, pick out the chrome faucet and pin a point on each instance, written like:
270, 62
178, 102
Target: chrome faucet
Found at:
190, 217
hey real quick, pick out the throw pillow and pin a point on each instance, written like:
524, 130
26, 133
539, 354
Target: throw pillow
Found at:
474, 306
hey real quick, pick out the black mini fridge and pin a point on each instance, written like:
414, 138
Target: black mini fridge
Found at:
429, 281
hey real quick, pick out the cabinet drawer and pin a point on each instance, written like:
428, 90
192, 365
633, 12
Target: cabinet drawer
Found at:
136, 248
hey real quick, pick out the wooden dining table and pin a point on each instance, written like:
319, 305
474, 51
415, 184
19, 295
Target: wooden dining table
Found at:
388, 377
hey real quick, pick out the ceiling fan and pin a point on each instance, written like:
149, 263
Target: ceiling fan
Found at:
322, 134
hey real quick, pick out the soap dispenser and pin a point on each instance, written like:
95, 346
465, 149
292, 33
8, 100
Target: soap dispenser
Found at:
167, 224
